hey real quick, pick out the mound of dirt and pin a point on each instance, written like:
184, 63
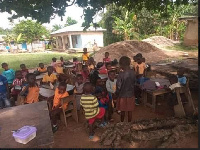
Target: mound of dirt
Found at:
160, 41
130, 49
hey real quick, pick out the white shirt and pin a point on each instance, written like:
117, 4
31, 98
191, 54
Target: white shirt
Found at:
175, 85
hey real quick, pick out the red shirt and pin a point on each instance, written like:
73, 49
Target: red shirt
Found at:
103, 70
105, 60
24, 72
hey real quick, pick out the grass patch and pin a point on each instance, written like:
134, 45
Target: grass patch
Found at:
32, 59
181, 47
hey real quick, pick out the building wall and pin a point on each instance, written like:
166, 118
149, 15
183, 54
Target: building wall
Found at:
88, 39
76, 41
191, 33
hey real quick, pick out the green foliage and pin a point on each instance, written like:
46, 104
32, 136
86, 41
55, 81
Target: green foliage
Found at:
30, 31
5, 31
56, 27
70, 21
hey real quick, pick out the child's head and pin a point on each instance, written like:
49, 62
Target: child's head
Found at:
85, 68
99, 65
139, 60
54, 59
59, 63
62, 87
50, 69
98, 94
106, 54
23, 66
31, 78
114, 62
91, 60
4, 66
99, 82
108, 66
18, 74
139, 55
87, 88
61, 59
124, 62
143, 59
180, 72
173, 79
112, 75
79, 79
75, 59
41, 65
85, 50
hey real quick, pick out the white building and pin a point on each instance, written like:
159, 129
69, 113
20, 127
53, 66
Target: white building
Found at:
73, 37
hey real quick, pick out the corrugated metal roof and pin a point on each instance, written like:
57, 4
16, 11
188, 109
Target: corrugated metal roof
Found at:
76, 28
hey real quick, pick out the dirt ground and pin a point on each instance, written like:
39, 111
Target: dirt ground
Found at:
75, 134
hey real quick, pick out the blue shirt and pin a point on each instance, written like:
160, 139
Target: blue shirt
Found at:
3, 82
10, 75
182, 80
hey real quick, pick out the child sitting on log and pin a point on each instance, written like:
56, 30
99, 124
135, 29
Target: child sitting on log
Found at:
91, 108
60, 92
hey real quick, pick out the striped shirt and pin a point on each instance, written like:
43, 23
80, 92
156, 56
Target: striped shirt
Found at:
90, 105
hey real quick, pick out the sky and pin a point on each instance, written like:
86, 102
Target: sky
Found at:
73, 11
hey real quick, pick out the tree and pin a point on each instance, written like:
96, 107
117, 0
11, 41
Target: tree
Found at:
70, 21
5, 31
30, 31
56, 27
44, 10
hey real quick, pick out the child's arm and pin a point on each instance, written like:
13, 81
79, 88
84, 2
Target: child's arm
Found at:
24, 90
8, 91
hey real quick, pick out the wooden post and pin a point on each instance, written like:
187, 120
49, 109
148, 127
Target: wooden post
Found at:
70, 42
63, 42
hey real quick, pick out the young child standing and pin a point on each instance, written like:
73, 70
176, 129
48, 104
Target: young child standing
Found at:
125, 89
49, 77
181, 78
90, 105
91, 64
24, 70
8, 73
31, 90
85, 56
4, 92
106, 59
60, 92
78, 89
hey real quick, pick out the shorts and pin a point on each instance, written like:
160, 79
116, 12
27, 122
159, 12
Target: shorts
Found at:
99, 116
126, 104
4, 100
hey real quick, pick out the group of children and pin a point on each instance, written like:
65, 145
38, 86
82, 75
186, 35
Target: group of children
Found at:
95, 95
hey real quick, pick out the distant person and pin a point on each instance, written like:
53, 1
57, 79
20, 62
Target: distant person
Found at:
8, 73
57, 108
41, 68
181, 78
31, 90
24, 70
62, 61
85, 73
106, 59
91, 108
85, 56
4, 92
53, 63
78, 89
125, 89
50, 78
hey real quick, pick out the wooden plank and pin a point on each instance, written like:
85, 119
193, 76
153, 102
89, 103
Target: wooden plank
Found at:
35, 114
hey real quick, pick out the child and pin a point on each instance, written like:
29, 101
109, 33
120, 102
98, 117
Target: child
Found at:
181, 78
111, 88
106, 59
125, 89
53, 63
49, 77
8, 73
91, 64
60, 92
78, 89
17, 85
62, 61
85, 56
105, 68
85, 73
140, 67
59, 68
41, 68
91, 109
134, 62
4, 92
31, 90
24, 70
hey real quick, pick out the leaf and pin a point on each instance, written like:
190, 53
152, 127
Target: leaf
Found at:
19, 37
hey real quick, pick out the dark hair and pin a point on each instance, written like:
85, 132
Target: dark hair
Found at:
49, 67
91, 58
181, 70
22, 65
106, 52
61, 57
84, 66
114, 62
75, 59
108, 63
111, 71
173, 78
29, 75
17, 71
53, 58
138, 55
85, 85
84, 49
99, 65
3, 64
79, 75
143, 59
41, 64
124, 61
62, 84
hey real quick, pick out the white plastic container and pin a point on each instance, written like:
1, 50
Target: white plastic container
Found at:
25, 134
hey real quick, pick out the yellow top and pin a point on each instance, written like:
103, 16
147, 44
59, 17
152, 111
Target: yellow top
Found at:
50, 78
42, 70
85, 56
59, 69
33, 94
